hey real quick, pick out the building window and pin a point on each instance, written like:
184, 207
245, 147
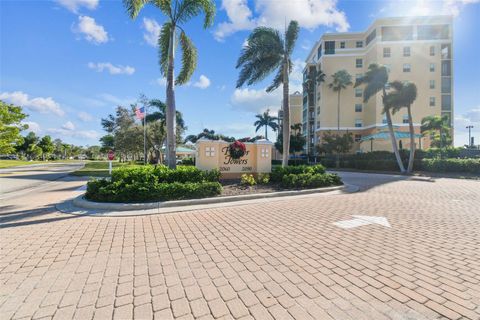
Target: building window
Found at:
406, 51
358, 123
432, 101
264, 153
358, 107
358, 92
329, 47
359, 63
446, 85
384, 119
405, 118
446, 102
397, 33
319, 51
432, 84
358, 76
210, 151
446, 52
407, 67
359, 44
387, 53
358, 137
446, 68
432, 50
432, 67
388, 86
432, 32
342, 44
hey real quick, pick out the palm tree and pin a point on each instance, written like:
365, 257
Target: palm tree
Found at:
266, 120
266, 52
403, 95
341, 80
314, 78
177, 12
439, 128
376, 80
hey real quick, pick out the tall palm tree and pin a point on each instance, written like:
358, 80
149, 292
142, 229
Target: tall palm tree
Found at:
438, 127
266, 120
403, 96
376, 80
314, 78
177, 12
341, 80
265, 52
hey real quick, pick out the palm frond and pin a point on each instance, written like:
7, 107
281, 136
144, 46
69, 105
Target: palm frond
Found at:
165, 6
291, 36
277, 81
189, 59
262, 42
163, 45
134, 6
189, 9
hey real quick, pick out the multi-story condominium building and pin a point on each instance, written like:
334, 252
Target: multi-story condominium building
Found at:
413, 49
296, 106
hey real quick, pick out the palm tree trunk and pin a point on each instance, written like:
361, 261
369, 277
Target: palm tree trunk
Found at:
392, 137
170, 111
266, 128
412, 141
337, 162
286, 115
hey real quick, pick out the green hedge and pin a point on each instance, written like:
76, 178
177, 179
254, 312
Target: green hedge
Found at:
278, 172
451, 165
309, 180
151, 183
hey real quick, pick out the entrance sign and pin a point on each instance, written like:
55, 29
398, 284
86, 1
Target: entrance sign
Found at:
214, 154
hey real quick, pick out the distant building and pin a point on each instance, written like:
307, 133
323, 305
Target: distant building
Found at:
415, 49
296, 106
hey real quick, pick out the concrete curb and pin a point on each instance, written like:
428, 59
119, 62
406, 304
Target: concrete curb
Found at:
81, 202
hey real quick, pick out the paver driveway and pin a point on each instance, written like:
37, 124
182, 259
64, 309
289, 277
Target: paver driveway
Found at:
280, 259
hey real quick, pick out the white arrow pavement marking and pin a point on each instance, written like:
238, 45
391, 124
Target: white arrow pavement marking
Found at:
362, 221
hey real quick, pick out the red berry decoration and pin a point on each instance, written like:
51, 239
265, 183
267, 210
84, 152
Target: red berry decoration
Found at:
237, 149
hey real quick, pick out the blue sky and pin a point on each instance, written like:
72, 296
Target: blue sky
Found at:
70, 62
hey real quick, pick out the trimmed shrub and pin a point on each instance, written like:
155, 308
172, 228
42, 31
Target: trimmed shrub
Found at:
263, 178
308, 180
278, 172
451, 165
149, 183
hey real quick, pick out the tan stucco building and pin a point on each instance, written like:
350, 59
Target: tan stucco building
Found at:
414, 49
296, 107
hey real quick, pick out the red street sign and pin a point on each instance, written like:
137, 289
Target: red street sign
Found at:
111, 155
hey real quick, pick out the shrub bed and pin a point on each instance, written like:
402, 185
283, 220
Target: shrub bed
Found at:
150, 183
451, 165
304, 177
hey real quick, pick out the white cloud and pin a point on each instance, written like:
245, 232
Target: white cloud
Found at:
256, 101
74, 5
80, 134
162, 82
111, 99
92, 31
453, 7
39, 104
152, 31
297, 71
85, 117
68, 125
32, 126
112, 69
310, 14
202, 83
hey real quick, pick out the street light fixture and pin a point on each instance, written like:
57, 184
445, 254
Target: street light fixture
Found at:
470, 127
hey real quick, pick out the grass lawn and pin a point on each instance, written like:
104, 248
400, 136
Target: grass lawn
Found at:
14, 163
99, 168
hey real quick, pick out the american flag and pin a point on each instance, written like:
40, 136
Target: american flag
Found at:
140, 113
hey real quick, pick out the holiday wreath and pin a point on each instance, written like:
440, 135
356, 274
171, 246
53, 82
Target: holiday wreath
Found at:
237, 149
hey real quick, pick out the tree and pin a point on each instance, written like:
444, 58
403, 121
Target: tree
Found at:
265, 52
313, 78
28, 146
335, 143
438, 128
93, 152
403, 96
376, 80
107, 143
266, 120
297, 140
47, 146
177, 12
10, 127
341, 80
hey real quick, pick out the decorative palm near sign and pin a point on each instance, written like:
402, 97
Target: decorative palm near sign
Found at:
235, 158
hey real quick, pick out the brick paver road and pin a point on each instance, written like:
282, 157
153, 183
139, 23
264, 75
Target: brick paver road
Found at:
282, 259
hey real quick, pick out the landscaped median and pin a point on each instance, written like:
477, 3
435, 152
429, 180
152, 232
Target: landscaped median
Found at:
155, 186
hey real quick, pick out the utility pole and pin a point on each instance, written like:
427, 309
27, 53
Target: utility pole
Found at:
470, 127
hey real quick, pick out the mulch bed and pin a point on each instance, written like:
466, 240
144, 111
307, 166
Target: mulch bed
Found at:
234, 188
